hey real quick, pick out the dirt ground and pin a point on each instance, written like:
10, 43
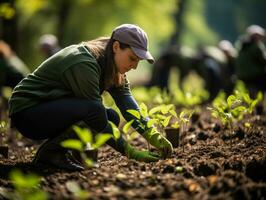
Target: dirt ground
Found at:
214, 165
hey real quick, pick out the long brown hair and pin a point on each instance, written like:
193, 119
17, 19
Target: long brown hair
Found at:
102, 49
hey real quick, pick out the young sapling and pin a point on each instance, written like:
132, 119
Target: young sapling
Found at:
86, 144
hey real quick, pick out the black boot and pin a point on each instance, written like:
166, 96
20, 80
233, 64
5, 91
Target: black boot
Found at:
51, 152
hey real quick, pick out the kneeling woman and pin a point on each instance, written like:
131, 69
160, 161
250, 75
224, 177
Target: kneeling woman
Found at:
66, 89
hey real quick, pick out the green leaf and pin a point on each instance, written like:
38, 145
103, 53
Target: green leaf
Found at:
166, 121
127, 126
175, 125
166, 108
238, 111
24, 181
84, 134
182, 114
143, 110
160, 117
247, 98
259, 96
252, 106
230, 100
40, 195
155, 110
89, 162
73, 144
151, 122
100, 139
134, 135
173, 112
135, 113
116, 131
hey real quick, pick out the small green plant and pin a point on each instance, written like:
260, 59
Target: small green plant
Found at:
184, 119
86, 141
163, 116
228, 111
234, 108
75, 189
242, 93
166, 116
27, 186
143, 113
249, 103
130, 135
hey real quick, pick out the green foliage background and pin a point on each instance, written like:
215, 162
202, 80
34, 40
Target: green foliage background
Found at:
205, 22
89, 19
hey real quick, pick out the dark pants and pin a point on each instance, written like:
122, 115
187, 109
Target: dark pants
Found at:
52, 118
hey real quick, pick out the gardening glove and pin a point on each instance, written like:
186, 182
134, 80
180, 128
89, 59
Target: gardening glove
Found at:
143, 156
159, 141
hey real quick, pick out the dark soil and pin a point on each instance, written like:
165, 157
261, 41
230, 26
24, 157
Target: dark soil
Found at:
215, 164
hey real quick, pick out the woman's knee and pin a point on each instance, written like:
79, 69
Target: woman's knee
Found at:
113, 116
97, 117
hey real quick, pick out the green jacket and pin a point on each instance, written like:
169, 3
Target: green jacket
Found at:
72, 72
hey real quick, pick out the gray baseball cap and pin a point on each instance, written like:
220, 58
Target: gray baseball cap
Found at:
255, 30
136, 38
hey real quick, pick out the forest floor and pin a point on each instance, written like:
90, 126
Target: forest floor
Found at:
214, 164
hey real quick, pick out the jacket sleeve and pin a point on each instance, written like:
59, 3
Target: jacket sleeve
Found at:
83, 80
125, 101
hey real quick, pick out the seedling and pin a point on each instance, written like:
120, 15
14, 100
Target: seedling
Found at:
86, 143
126, 129
249, 102
26, 186
163, 116
227, 111
234, 108
184, 118
166, 118
139, 115
242, 93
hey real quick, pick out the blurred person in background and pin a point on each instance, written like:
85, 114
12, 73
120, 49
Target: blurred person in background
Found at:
251, 60
180, 57
228, 66
48, 44
66, 90
12, 71
12, 68
213, 64
209, 61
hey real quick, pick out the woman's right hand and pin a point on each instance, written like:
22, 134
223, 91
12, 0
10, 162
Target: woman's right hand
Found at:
160, 142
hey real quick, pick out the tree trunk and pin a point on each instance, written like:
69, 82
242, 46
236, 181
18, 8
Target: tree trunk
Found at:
63, 14
178, 16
